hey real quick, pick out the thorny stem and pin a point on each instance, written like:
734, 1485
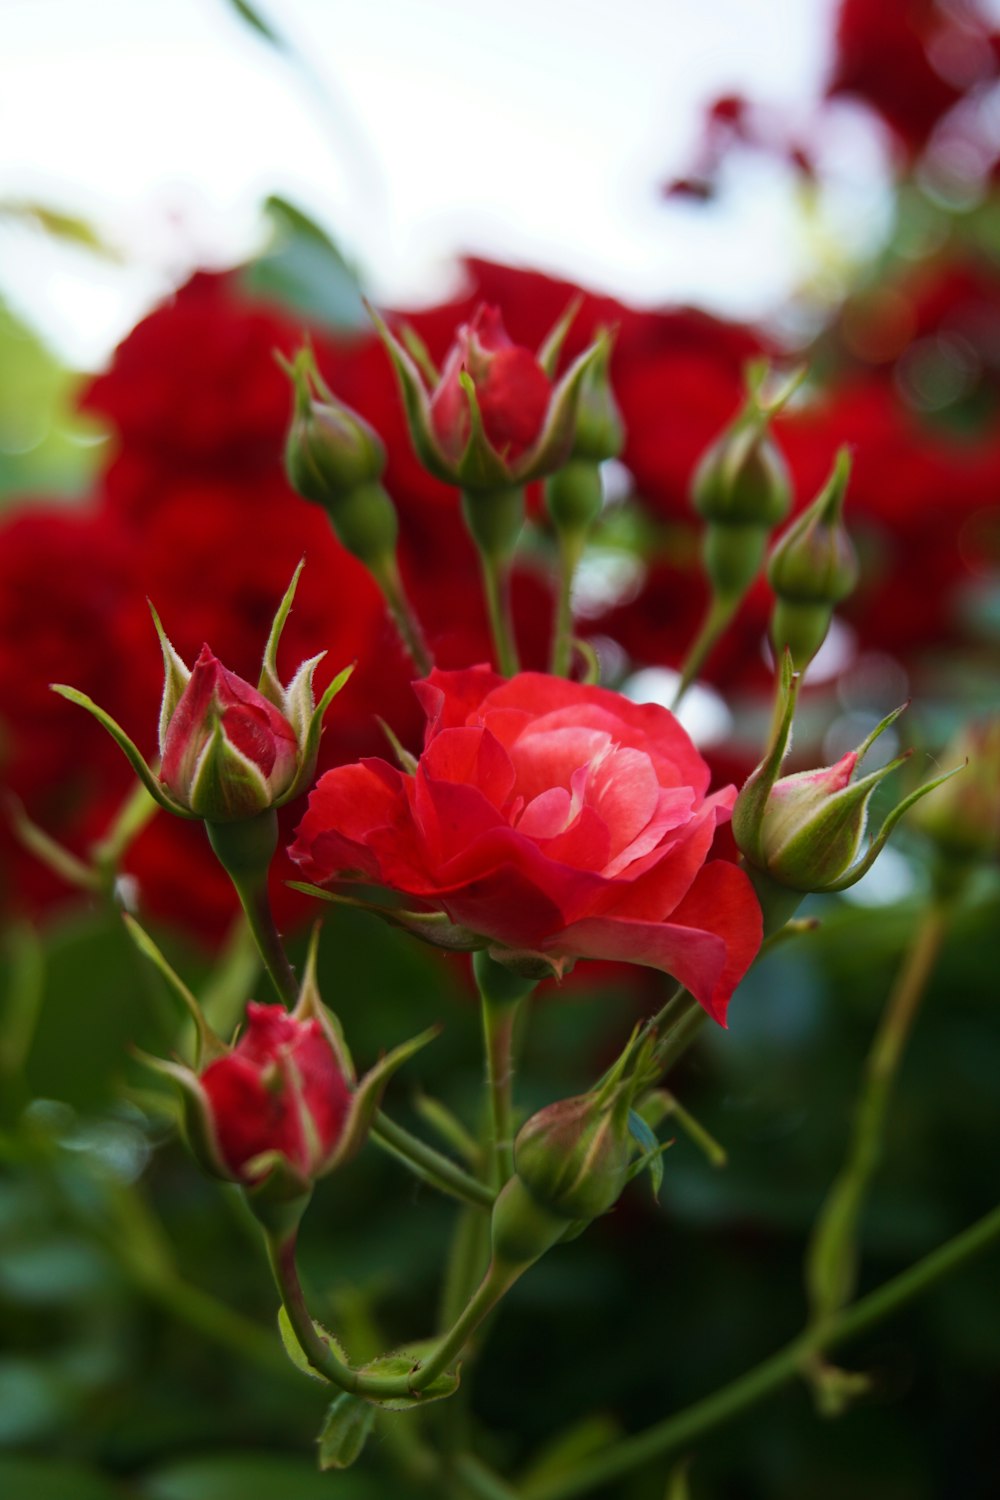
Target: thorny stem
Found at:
404, 617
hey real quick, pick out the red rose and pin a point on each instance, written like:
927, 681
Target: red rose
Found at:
551, 818
512, 389
281, 1089
227, 752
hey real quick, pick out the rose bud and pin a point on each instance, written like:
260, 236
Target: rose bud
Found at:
226, 752
493, 418
574, 494
279, 1092
229, 751
804, 832
281, 1107
742, 489
333, 458
812, 568
574, 1155
964, 822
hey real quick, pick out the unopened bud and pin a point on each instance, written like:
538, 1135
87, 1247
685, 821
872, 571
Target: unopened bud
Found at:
335, 459
573, 1156
741, 488
813, 567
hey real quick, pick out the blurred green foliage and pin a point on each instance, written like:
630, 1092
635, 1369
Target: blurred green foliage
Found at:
141, 1354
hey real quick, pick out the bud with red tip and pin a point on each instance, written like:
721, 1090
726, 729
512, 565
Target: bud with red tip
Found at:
280, 1092
281, 1107
226, 752
805, 831
229, 751
812, 568
492, 418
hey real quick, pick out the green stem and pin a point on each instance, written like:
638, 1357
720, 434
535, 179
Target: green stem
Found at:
496, 589
691, 1424
501, 992
404, 618
430, 1165
491, 1289
245, 851
831, 1261
571, 545
720, 612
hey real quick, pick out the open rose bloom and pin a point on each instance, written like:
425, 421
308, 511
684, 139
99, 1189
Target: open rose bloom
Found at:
551, 819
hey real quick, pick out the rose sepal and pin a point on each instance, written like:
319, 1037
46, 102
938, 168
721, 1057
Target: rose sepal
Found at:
481, 467
805, 831
128, 748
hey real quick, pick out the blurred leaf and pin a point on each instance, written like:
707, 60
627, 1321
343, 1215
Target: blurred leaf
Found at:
52, 1479
305, 270
571, 1447
45, 446
252, 16
345, 1431
246, 1476
60, 225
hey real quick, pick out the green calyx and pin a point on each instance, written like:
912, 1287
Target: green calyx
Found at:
742, 480
805, 831
330, 450
481, 468
812, 568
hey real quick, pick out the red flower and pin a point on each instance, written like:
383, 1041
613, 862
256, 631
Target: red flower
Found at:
552, 819
227, 752
886, 56
512, 389
280, 1090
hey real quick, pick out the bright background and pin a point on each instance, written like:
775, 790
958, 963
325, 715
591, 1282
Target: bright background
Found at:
539, 133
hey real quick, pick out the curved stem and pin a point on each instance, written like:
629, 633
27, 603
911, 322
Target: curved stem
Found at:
691, 1424
720, 613
832, 1257
430, 1165
486, 1296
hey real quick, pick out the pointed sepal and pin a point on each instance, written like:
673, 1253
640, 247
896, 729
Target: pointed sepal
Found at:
176, 676
131, 752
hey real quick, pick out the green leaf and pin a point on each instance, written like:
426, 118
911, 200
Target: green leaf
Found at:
346, 1428
295, 1351
252, 16
572, 1447
400, 1363
238, 1476
305, 270
652, 1150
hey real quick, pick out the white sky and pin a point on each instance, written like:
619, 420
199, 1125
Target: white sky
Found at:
532, 130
